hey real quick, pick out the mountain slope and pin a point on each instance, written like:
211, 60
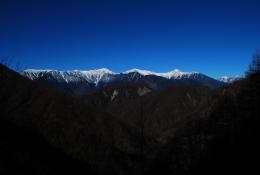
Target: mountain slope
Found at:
106, 139
219, 139
162, 111
130, 129
69, 126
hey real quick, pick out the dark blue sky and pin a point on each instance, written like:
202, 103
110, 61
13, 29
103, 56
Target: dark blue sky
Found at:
215, 37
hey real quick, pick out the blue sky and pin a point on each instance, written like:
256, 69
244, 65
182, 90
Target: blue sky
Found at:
214, 37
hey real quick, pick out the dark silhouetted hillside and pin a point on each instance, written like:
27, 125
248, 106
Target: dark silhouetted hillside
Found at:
78, 130
221, 139
24, 152
128, 129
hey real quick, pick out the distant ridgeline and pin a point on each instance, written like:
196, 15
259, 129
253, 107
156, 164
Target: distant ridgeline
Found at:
80, 82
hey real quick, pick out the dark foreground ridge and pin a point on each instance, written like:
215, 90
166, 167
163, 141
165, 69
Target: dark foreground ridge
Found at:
179, 130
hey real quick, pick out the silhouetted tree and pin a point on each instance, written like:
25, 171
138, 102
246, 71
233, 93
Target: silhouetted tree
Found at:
254, 67
7, 61
12, 63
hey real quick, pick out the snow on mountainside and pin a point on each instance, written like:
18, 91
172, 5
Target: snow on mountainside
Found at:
91, 76
104, 75
227, 79
175, 74
78, 82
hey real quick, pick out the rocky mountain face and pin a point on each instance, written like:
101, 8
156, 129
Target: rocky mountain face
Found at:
81, 82
128, 128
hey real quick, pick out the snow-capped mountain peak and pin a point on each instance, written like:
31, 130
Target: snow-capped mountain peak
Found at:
103, 74
224, 78
38, 70
174, 74
91, 76
142, 72
177, 74
95, 76
101, 71
227, 79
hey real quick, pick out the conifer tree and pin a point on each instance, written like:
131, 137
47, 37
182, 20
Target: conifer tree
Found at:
254, 67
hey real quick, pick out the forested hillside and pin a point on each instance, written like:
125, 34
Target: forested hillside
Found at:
179, 130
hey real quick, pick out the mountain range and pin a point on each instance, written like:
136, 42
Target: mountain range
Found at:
79, 82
